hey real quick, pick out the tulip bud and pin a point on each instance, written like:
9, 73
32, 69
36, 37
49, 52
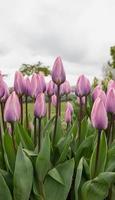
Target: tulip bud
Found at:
110, 101
82, 100
66, 87
102, 96
69, 106
19, 84
34, 85
41, 85
27, 90
54, 100
12, 109
82, 87
111, 84
99, 115
68, 116
6, 92
40, 106
95, 92
58, 73
50, 88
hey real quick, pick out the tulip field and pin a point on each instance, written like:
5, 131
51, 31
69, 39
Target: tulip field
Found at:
52, 149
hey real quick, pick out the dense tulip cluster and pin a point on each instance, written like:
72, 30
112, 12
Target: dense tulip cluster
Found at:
64, 143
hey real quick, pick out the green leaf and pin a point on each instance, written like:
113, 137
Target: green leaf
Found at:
48, 127
56, 176
78, 178
74, 128
4, 190
84, 126
110, 164
10, 152
97, 189
55, 190
23, 176
59, 131
102, 157
43, 159
24, 137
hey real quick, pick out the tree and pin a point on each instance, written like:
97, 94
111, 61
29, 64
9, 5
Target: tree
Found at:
29, 69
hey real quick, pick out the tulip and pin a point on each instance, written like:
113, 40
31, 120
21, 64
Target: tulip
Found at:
19, 87
111, 84
100, 121
54, 100
39, 112
12, 112
69, 107
41, 85
68, 116
110, 101
83, 86
50, 92
82, 100
58, 73
95, 92
102, 96
34, 85
66, 87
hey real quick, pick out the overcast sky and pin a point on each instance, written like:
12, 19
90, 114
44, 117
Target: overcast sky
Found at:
80, 31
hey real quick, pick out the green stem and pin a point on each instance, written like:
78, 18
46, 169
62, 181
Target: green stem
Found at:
26, 111
35, 133
39, 134
80, 119
21, 105
97, 151
49, 108
60, 106
13, 140
56, 118
2, 115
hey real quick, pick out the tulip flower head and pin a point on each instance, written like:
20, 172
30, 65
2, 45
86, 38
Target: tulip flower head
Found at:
50, 88
40, 106
82, 100
27, 90
110, 101
41, 85
54, 100
58, 73
69, 106
12, 109
19, 83
82, 87
111, 84
96, 91
66, 87
68, 116
99, 115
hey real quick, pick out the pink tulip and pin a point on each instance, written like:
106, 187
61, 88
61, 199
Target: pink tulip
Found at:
41, 85
58, 73
66, 87
111, 84
12, 109
99, 115
110, 100
54, 100
6, 92
40, 106
102, 96
27, 90
68, 116
19, 84
69, 106
83, 86
50, 88
95, 92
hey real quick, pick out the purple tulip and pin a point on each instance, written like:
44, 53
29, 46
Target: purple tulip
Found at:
40, 106
69, 106
19, 83
68, 116
82, 87
50, 88
27, 90
12, 109
110, 101
102, 96
111, 84
58, 73
41, 85
95, 92
66, 87
6, 92
34, 85
54, 100
99, 115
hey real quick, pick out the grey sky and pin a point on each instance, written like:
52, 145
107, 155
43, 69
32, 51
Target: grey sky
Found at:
80, 31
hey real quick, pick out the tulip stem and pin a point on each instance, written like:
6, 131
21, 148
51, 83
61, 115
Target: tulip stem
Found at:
2, 115
49, 108
60, 106
21, 105
35, 131
13, 140
80, 119
26, 111
56, 118
39, 134
97, 151
86, 105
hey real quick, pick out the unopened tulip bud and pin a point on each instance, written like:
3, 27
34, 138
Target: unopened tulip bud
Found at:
111, 84
27, 90
83, 86
6, 92
81, 100
102, 96
54, 100
58, 73
69, 106
12, 109
110, 101
95, 92
50, 88
40, 106
41, 85
66, 87
19, 83
68, 116
99, 115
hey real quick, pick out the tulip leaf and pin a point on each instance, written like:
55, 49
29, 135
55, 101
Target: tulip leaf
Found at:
10, 152
84, 126
78, 178
24, 137
56, 176
102, 157
59, 131
23, 176
43, 159
110, 164
56, 190
4, 190
97, 188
